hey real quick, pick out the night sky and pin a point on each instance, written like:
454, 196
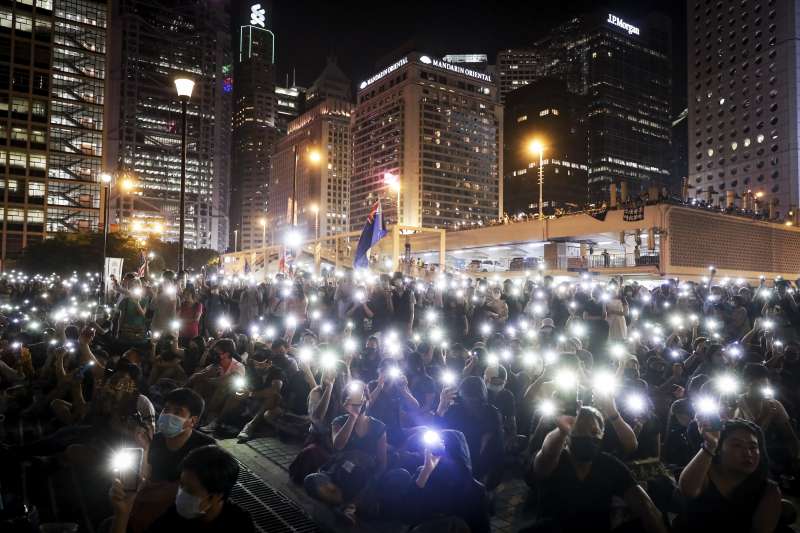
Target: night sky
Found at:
359, 33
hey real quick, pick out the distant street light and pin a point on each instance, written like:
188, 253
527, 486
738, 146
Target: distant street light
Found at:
184, 87
293, 238
393, 182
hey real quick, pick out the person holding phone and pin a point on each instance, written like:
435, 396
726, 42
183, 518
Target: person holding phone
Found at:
202, 502
726, 484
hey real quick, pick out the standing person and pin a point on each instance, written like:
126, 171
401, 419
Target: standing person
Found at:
133, 314
594, 314
403, 303
616, 309
190, 313
215, 307
165, 304
249, 303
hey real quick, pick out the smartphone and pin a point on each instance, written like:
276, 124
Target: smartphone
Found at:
714, 422
130, 468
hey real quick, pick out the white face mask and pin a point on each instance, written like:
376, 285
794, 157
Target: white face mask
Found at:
495, 388
188, 506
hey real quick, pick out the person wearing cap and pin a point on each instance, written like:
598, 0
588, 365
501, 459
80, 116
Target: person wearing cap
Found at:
496, 378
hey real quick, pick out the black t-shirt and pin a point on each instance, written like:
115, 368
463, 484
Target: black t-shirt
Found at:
232, 519
474, 425
504, 401
584, 505
165, 463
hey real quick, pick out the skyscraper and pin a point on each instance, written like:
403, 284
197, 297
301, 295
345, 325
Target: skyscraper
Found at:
154, 42
312, 167
52, 84
436, 130
624, 70
545, 112
255, 131
743, 102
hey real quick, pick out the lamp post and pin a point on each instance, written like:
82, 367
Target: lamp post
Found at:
184, 87
393, 182
105, 177
536, 147
315, 210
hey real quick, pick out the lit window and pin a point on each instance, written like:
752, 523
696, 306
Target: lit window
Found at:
5, 18
746, 142
734, 145
710, 152
24, 23
522, 118
38, 161
16, 159
36, 216
721, 101
760, 138
35, 189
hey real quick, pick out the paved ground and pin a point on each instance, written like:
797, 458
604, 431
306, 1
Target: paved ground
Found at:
270, 457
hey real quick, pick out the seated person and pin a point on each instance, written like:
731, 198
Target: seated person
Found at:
500, 397
208, 475
444, 486
175, 437
577, 481
480, 423
216, 381
389, 396
166, 361
359, 443
365, 365
757, 405
726, 482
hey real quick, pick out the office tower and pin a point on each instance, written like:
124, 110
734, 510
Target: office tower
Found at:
289, 103
332, 83
545, 112
52, 84
154, 42
680, 152
743, 103
255, 132
436, 130
311, 173
625, 71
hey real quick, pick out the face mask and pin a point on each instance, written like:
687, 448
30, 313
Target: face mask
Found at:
494, 388
188, 506
584, 449
170, 425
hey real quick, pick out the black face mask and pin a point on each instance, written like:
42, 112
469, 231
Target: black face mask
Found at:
584, 448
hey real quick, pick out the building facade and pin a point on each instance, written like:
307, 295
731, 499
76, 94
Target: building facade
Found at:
625, 71
311, 173
546, 112
255, 133
743, 103
437, 129
52, 88
155, 42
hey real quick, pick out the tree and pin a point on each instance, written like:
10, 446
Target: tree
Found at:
82, 252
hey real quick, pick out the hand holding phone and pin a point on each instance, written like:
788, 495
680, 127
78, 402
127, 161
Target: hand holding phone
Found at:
127, 465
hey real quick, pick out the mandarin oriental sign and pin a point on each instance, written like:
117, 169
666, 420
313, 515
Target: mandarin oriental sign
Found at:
619, 23
456, 68
388, 70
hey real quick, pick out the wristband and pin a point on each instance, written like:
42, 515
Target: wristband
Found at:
613, 418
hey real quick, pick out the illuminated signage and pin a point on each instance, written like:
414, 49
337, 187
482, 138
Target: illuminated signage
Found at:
456, 68
384, 72
258, 16
619, 23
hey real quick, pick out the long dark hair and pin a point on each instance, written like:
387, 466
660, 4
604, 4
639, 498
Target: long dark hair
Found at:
754, 485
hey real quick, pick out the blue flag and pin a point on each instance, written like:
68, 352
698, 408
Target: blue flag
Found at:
373, 232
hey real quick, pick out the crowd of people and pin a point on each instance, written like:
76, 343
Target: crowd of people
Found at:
625, 406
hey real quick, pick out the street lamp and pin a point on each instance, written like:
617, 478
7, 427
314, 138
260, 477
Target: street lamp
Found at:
105, 177
393, 182
536, 147
315, 210
184, 87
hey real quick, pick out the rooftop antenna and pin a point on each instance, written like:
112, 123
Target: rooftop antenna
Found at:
294, 77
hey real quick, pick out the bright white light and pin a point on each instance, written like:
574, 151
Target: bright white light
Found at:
350, 345
239, 383
486, 329
327, 360
768, 392
224, 323
291, 322
547, 408
727, 384
635, 403
618, 351
394, 372
293, 239
448, 378
605, 383
175, 325
566, 379
550, 357
492, 360
305, 354
707, 405
122, 460
578, 329
431, 438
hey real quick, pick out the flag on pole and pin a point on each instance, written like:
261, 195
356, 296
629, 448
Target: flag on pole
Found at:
142, 271
373, 232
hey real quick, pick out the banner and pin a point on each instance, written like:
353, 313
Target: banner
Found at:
113, 267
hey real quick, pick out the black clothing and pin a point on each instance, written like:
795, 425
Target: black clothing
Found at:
232, 518
165, 463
